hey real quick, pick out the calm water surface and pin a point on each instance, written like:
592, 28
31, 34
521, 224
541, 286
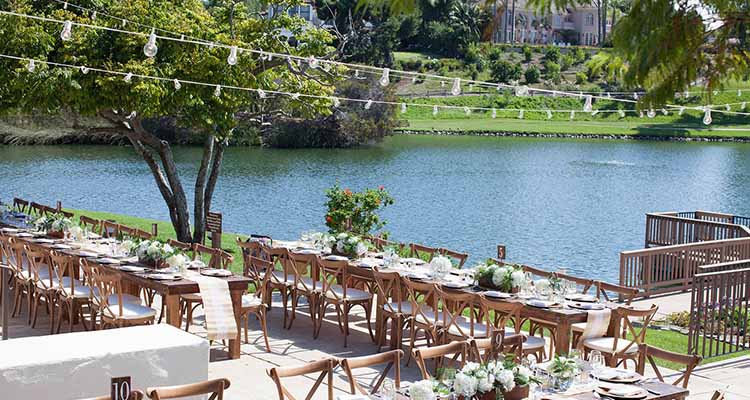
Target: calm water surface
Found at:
552, 202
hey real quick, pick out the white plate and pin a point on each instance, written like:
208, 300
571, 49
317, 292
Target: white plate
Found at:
334, 257
586, 306
132, 268
10, 230
216, 272
455, 285
25, 234
307, 251
84, 253
416, 277
540, 303
43, 241
61, 247
164, 277
108, 261
498, 295
587, 298
412, 260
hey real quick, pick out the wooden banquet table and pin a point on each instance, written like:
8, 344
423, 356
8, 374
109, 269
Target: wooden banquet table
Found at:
170, 290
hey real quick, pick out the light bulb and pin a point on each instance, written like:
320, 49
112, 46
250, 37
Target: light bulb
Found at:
609, 96
467, 110
217, 91
707, 116
356, 73
728, 107
124, 22
150, 48
595, 112
93, 16
442, 84
682, 111
84, 70
739, 93
743, 105
651, 113
572, 114
65, 5
67, 31
499, 87
177, 84
522, 90
520, 114
640, 114
587, 107
132, 115
635, 95
368, 104
336, 102
494, 113
686, 94
31, 66
413, 79
128, 77
295, 96
456, 89
262, 93
385, 78
313, 62
434, 110
622, 113
664, 111
182, 37
549, 114
232, 59
403, 108
716, 93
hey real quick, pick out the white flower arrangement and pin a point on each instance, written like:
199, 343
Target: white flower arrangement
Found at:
348, 244
53, 223
542, 284
422, 390
502, 277
152, 250
440, 265
475, 379
177, 260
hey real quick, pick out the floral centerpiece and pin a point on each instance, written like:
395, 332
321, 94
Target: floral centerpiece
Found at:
54, 225
492, 380
349, 245
423, 390
440, 266
506, 278
154, 252
563, 370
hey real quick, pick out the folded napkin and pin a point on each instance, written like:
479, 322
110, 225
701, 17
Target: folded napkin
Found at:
539, 303
370, 262
334, 257
624, 390
617, 374
597, 323
352, 397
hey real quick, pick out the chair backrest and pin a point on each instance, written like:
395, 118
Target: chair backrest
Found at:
489, 349
456, 354
459, 258
388, 284
583, 283
260, 271
63, 265
461, 318
37, 209
127, 232
331, 272
21, 205
690, 361
299, 266
624, 317
104, 285
381, 243
497, 314
422, 300
89, 223
253, 248
535, 271
38, 259
626, 293
7, 256
182, 246
391, 359
110, 229
17, 251
66, 214
215, 388
217, 258
421, 251
324, 367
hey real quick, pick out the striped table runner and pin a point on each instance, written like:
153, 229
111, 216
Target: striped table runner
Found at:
217, 305
597, 323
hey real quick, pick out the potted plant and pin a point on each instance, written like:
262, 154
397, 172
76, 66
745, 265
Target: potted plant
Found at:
506, 278
563, 370
492, 380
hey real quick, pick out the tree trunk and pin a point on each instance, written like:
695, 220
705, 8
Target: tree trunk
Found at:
205, 183
604, 22
513, 23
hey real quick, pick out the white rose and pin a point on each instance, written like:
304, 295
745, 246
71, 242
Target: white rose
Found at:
497, 277
421, 390
518, 278
153, 250
353, 240
341, 236
470, 368
361, 249
523, 372
167, 248
506, 380
465, 385
541, 284
175, 261
486, 384
340, 245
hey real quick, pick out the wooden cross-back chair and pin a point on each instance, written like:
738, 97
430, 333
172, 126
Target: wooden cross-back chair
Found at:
618, 348
535, 271
421, 251
650, 353
110, 229
281, 281
126, 232
392, 359
584, 284
72, 295
500, 315
624, 293
93, 225
113, 308
255, 304
182, 246
215, 388
490, 349
303, 268
253, 249
217, 258
21, 205
460, 316
455, 353
395, 309
423, 302
323, 367
458, 257
52, 211
43, 286
340, 295
380, 243
11, 251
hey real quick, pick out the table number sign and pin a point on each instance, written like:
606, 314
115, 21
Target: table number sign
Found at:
121, 388
501, 252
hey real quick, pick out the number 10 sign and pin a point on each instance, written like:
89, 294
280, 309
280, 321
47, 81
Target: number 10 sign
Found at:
121, 388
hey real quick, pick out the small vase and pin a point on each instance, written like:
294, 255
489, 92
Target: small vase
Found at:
56, 234
561, 383
518, 393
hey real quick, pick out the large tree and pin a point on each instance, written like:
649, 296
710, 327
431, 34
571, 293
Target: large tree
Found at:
126, 104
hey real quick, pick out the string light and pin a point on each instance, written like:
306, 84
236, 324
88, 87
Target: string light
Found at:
456, 89
651, 113
65, 6
217, 91
572, 114
67, 33
640, 114
403, 108
442, 84
728, 107
739, 93
336, 102
707, 116
232, 59
385, 79
609, 96
84, 70
434, 110
744, 105
150, 48
621, 113
549, 114
595, 112
262, 94
414, 79
467, 110
635, 95
124, 22
522, 90
520, 114
494, 113
295, 96
368, 104
177, 84
313, 62
682, 111
587, 104
31, 66
128, 77
664, 111
93, 16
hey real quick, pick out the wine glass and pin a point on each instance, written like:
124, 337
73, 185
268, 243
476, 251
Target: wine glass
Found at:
596, 360
388, 390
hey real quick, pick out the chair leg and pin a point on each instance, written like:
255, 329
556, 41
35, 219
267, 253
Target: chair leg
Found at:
263, 327
368, 313
245, 322
30, 295
189, 319
346, 323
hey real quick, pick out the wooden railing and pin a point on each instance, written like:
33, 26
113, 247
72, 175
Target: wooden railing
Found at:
720, 309
672, 268
666, 229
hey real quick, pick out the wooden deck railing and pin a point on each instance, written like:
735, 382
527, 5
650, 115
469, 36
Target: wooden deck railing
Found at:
720, 309
672, 268
666, 229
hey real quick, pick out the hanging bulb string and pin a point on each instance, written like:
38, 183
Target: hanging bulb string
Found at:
263, 92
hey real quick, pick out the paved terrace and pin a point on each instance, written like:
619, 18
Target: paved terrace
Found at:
296, 346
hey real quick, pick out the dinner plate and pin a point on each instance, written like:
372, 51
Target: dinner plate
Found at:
61, 246
132, 268
164, 277
416, 277
334, 257
412, 260
216, 272
24, 235
307, 251
196, 264
84, 253
540, 303
586, 306
617, 376
585, 298
43, 241
455, 285
10, 230
107, 260
636, 394
498, 295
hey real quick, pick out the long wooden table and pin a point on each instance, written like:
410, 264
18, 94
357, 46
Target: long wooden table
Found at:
170, 290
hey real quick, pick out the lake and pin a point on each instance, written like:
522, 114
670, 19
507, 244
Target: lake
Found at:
554, 203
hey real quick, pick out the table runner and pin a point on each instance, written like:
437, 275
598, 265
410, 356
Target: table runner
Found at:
597, 323
217, 306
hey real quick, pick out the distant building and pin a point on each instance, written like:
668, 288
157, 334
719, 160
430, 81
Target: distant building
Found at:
305, 11
574, 26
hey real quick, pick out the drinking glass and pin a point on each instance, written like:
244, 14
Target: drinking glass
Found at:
596, 359
305, 236
388, 390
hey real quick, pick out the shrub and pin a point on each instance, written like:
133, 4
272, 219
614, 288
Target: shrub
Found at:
532, 74
580, 55
504, 71
494, 53
473, 71
355, 212
581, 78
552, 72
474, 56
527, 53
681, 319
552, 54
566, 62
